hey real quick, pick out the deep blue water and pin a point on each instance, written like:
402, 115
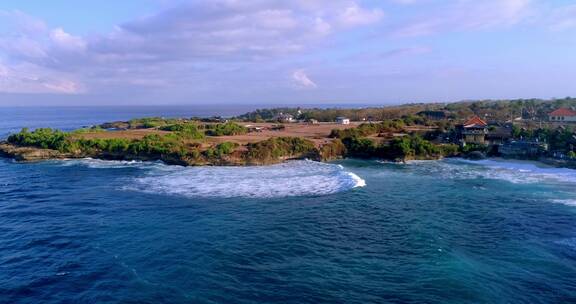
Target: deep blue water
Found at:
427, 232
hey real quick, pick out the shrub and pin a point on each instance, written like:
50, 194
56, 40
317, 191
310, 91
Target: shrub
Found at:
277, 147
220, 150
367, 129
332, 150
44, 138
184, 130
359, 147
226, 129
414, 146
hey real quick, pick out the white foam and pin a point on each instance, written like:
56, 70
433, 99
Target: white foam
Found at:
571, 243
567, 202
108, 164
296, 178
518, 172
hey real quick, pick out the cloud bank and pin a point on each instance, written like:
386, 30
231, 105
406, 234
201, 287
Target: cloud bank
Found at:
196, 48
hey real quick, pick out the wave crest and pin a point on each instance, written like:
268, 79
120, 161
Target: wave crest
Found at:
296, 178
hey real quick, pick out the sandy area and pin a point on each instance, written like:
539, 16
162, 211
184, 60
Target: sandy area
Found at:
318, 133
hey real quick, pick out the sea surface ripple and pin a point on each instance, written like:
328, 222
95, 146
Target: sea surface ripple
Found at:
452, 231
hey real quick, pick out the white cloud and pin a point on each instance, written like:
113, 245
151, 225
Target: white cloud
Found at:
208, 44
29, 78
66, 41
469, 15
354, 15
193, 34
302, 80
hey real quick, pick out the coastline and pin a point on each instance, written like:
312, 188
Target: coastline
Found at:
33, 154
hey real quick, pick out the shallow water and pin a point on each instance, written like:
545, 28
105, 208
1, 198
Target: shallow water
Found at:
452, 231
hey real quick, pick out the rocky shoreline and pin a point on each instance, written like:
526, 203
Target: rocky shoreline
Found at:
33, 154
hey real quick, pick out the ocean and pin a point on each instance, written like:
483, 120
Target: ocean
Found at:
352, 231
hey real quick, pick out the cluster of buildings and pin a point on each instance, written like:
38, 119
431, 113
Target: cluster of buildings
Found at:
289, 118
499, 137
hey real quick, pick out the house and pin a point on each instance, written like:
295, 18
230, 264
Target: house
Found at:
522, 148
563, 115
473, 131
285, 118
342, 120
313, 122
499, 134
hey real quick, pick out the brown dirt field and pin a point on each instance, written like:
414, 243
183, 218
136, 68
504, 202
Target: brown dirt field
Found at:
127, 134
317, 133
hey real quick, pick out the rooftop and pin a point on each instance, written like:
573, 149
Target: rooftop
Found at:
563, 112
475, 122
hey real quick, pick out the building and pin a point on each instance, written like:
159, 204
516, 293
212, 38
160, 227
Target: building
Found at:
522, 148
499, 134
563, 115
343, 120
473, 131
285, 118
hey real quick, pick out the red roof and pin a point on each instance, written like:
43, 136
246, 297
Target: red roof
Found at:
475, 121
563, 112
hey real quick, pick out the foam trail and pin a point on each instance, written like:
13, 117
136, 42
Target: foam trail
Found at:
296, 178
567, 202
517, 172
109, 164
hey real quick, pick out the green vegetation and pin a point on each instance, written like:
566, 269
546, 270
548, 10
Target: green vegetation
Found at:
150, 122
414, 147
226, 129
149, 146
360, 147
278, 147
187, 130
220, 150
499, 110
261, 115
367, 129
44, 138
173, 148
333, 150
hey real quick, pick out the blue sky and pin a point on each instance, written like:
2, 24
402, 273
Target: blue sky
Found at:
64, 52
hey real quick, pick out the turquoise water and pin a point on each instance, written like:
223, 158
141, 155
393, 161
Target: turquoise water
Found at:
89, 231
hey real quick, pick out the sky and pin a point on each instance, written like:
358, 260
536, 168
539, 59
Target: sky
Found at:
167, 52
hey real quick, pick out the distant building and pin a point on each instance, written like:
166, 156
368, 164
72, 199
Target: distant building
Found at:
498, 134
285, 118
522, 149
343, 120
473, 131
313, 121
563, 115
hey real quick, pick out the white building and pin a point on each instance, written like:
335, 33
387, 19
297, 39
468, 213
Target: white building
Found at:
563, 115
285, 118
343, 120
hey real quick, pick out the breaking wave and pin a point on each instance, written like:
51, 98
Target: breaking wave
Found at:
524, 171
296, 178
517, 172
567, 202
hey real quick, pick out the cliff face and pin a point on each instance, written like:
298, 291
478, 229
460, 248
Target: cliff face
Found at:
30, 153
237, 158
